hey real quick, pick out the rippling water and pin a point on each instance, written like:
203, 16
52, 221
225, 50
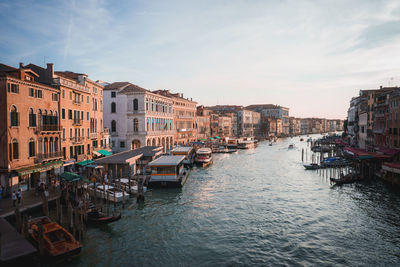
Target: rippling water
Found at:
254, 207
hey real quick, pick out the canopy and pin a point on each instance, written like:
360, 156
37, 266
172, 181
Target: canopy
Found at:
211, 138
217, 137
40, 167
203, 139
85, 162
363, 154
71, 177
104, 152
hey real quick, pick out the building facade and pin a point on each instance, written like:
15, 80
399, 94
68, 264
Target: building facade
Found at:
137, 117
203, 119
274, 111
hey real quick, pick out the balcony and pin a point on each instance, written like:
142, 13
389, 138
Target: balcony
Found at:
93, 135
47, 156
77, 139
77, 122
49, 128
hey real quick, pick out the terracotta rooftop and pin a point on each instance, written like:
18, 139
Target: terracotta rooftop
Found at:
125, 86
264, 106
4, 67
69, 74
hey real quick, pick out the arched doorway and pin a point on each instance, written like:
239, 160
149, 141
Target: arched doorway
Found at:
154, 142
163, 144
135, 144
148, 142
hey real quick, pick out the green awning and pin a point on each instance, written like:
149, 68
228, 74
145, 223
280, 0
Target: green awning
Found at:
217, 137
203, 139
211, 138
71, 177
39, 168
104, 152
85, 162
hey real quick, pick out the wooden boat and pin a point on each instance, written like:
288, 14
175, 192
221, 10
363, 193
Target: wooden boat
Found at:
168, 171
291, 146
57, 241
97, 217
346, 179
312, 166
203, 157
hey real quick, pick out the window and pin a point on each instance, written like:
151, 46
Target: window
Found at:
13, 88
87, 99
63, 113
88, 132
135, 125
135, 104
55, 97
32, 147
113, 94
14, 116
113, 126
122, 144
70, 95
32, 118
82, 116
63, 93
69, 114
70, 132
31, 92
39, 94
63, 134
113, 107
87, 115
15, 149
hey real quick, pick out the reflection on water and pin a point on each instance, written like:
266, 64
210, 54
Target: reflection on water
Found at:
253, 207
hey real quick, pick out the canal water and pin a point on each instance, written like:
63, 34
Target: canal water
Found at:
254, 207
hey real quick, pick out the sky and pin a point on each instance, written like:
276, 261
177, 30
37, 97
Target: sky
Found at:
310, 56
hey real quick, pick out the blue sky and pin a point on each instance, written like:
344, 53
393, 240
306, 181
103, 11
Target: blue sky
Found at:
311, 56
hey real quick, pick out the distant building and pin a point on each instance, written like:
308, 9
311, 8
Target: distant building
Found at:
203, 119
274, 111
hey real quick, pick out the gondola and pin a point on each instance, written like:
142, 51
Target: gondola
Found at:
98, 217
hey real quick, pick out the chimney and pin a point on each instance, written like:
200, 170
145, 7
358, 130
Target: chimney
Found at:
380, 87
50, 70
21, 65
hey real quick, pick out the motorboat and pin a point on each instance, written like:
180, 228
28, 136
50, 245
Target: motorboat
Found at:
58, 242
203, 157
186, 151
291, 146
124, 183
108, 192
312, 166
168, 171
247, 144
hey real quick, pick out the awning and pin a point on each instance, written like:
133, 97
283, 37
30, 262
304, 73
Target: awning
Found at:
363, 154
391, 167
71, 177
97, 154
105, 152
39, 168
69, 162
85, 162
211, 138
217, 137
203, 139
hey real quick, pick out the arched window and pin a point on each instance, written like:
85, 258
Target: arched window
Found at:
55, 120
113, 107
56, 144
15, 149
32, 118
135, 125
44, 118
14, 116
135, 104
113, 126
32, 149
45, 146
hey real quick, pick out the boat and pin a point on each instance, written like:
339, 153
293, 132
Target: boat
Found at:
203, 157
270, 144
312, 166
247, 144
97, 217
168, 171
58, 242
108, 192
186, 151
345, 179
124, 182
224, 149
232, 143
301, 139
291, 146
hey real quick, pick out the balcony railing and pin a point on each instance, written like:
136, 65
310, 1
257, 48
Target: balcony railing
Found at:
77, 122
93, 135
49, 128
44, 156
77, 139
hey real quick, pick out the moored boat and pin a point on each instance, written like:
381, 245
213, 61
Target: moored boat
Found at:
108, 192
168, 171
346, 179
186, 151
312, 166
291, 146
247, 144
57, 242
204, 157
124, 182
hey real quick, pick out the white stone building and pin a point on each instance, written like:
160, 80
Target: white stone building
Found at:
137, 117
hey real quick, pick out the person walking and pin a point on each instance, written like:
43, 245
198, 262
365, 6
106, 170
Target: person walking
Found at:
14, 197
19, 195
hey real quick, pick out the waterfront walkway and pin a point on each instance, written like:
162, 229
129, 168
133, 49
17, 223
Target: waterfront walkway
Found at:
30, 199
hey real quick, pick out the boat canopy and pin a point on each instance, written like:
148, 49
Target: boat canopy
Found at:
204, 150
71, 177
167, 161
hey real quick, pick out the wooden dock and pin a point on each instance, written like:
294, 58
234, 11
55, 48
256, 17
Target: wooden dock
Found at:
12, 245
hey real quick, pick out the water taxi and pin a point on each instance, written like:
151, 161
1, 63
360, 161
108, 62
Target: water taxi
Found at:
168, 171
247, 144
232, 143
57, 241
186, 151
204, 157
124, 182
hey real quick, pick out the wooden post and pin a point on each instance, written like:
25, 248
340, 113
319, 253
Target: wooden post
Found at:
25, 229
61, 215
58, 210
40, 236
18, 221
302, 154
